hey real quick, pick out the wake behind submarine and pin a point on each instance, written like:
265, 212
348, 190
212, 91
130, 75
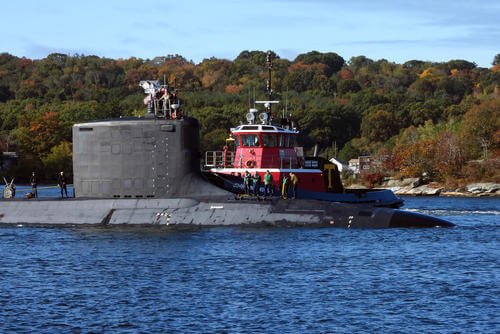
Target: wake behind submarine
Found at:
146, 172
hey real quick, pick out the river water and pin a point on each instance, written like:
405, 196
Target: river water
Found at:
265, 280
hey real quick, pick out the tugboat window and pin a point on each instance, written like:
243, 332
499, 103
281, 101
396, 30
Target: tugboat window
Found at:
282, 140
236, 141
287, 141
269, 140
250, 140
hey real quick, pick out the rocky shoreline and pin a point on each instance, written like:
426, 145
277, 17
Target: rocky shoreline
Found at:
417, 187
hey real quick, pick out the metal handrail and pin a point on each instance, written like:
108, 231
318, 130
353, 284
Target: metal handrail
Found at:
216, 159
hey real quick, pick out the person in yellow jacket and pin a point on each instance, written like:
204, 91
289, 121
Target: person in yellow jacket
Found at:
294, 184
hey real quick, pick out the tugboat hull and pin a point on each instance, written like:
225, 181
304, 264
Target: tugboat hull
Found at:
375, 197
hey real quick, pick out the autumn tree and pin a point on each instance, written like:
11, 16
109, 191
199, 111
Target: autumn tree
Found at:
378, 125
213, 73
481, 128
331, 60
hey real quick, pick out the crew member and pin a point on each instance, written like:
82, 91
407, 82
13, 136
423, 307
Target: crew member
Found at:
284, 187
256, 183
294, 184
33, 181
61, 181
246, 182
268, 184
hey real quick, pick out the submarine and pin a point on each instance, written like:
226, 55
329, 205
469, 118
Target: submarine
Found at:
146, 171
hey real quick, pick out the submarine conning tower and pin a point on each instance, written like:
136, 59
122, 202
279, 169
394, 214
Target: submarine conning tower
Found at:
138, 158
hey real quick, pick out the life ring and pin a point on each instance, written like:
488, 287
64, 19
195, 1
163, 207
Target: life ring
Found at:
250, 163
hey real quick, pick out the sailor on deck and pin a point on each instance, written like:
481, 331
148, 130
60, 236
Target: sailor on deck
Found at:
284, 187
61, 182
256, 183
294, 184
33, 181
246, 182
268, 183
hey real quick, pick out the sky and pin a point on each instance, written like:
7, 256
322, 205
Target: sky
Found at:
430, 30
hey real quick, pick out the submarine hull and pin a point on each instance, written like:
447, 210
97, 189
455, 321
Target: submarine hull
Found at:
205, 212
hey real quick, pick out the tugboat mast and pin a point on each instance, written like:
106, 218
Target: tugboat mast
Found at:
269, 62
268, 117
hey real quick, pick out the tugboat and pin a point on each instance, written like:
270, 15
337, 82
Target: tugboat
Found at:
264, 145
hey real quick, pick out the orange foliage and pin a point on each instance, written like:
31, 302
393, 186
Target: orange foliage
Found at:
38, 135
45, 124
233, 89
432, 73
416, 158
133, 76
300, 66
346, 74
24, 62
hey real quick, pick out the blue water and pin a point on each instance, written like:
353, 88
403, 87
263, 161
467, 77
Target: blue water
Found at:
44, 191
266, 280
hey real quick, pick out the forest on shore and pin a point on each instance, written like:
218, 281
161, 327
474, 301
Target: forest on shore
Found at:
418, 118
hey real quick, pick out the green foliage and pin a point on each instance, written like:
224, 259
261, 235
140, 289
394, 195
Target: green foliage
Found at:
59, 159
378, 125
348, 86
480, 129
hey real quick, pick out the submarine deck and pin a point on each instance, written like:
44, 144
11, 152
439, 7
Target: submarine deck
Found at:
213, 211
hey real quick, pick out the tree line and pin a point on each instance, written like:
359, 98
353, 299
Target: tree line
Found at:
419, 117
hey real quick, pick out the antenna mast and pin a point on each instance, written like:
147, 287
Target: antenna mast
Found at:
269, 62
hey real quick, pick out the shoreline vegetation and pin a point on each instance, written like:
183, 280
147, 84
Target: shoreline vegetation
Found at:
438, 119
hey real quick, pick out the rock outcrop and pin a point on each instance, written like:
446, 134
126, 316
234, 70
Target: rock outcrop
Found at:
417, 187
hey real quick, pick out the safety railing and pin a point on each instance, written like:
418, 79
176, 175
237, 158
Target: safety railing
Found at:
230, 160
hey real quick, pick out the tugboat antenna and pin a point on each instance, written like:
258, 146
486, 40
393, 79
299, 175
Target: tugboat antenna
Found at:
269, 61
